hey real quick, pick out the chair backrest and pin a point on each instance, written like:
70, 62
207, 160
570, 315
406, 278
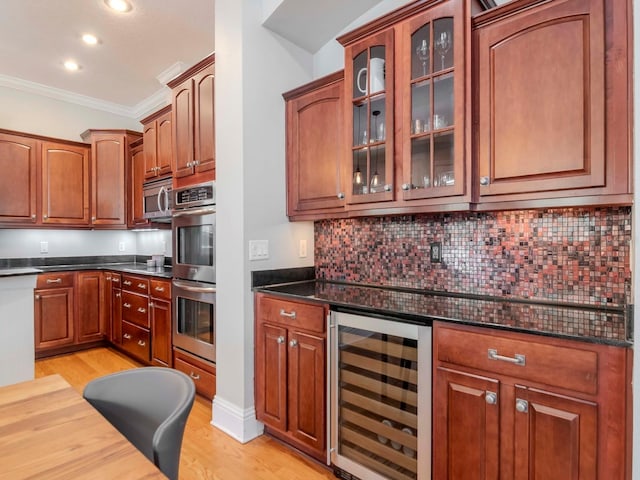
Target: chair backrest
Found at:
150, 407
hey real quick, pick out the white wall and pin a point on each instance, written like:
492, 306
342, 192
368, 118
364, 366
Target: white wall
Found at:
154, 242
31, 113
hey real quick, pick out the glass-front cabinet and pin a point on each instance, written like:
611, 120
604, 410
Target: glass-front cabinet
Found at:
369, 101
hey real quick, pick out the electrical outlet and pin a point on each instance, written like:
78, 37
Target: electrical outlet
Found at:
44, 247
435, 252
258, 249
302, 252
121, 246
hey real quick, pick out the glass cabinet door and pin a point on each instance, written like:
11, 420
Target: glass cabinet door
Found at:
433, 113
369, 83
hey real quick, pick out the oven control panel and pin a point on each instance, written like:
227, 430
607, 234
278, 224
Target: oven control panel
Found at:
195, 195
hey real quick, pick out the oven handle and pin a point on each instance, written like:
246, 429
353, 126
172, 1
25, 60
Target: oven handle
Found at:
191, 288
199, 211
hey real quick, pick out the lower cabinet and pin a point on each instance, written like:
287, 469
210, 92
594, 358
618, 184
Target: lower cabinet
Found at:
519, 406
54, 312
290, 372
91, 306
203, 373
160, 311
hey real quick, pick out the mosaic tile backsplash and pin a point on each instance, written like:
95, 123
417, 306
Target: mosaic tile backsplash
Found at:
571, 255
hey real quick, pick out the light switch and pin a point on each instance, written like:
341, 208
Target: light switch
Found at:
258, 249
302, 253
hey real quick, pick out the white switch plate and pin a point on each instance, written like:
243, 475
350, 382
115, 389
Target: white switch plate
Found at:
44, 247
121, 246
302, 253
258, 249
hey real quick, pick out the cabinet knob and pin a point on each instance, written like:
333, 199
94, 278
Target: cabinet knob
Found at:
150, 304
45, 216
280, 339
406, 186
491, 398
196, 163
341, 195
484, 181
117, 294
293, 343
387, 187
37, 297
33, 216
142, 310
522, 406
93, 219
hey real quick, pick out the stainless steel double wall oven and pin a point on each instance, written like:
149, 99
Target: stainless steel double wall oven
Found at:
194, 269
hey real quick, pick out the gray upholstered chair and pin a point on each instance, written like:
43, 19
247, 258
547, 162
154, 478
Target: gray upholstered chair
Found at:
150, 407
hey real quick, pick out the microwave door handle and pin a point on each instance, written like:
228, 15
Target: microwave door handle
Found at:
199, 211
191, 288
166, 201
160, 209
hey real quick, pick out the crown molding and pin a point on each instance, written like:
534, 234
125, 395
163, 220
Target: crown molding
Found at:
169, 73
152, 103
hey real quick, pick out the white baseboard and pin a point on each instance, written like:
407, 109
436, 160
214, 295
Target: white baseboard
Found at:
236, 422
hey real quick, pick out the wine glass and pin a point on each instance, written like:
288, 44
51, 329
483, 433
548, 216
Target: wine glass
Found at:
442, 45
423, 55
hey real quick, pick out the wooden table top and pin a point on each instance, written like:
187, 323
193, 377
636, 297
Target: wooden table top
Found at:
47, 430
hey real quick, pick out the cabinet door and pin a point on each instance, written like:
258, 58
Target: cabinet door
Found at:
369, 74
116, 316
315, 145
150, 135
466, 424
18, 179
163, 144
555, 436
54, 318
182, 119
307, 387
65, 184
108, 179
160, 332
541, 94
91, 321
431, 51
204, 123
271, 375
136, 207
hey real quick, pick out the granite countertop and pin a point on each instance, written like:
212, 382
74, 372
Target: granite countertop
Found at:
606, 325
138, 268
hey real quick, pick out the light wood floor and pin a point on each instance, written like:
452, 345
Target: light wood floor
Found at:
207, 453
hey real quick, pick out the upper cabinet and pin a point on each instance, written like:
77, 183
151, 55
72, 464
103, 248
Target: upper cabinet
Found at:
315, 133
18, 156
157, 132
193, 124
110, 158
135, 207
552, 103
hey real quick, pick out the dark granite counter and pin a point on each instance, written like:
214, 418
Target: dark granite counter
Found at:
609, 326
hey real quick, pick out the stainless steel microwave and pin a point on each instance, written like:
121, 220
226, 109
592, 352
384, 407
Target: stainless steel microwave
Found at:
157, 200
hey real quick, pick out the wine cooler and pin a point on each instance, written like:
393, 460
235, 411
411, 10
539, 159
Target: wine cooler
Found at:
380, 391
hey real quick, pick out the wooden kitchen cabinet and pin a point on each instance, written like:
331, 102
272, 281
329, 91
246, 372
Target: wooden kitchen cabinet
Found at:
201, 372
160, 313
290, 372
157, 132
113, 298
91, 306
315, 139
54, 311
110, 158
193, 124
18, 157
553, 104
510, 405
136, 338
135, 199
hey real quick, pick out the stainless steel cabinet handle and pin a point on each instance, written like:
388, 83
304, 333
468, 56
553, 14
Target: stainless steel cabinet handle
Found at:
37, 297
127, 282
195, 376
196, 163
159, 289
406, 186
387, 187
522, 406
45, 216
142, 285
517, 360
126, 305
93, 219
280, 339
51, 280
484, 181
150, 304
33, 216
293, 343
142, 310
491, 398
141, 343
291, 314
340, 195
116, 280
117, 294
127, 336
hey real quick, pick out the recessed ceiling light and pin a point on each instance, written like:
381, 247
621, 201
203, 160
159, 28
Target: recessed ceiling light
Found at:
71, 65
89, 39
118, 5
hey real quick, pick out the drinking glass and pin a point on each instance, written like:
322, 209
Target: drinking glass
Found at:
442, 45
423, 55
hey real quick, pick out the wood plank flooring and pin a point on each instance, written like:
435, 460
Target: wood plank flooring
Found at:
207, 453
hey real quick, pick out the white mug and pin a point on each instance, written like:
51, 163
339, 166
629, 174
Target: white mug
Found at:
376, 80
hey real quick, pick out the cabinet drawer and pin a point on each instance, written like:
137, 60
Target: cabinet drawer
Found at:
135, 284
135, 309
569, 366
116, 280
295, 314
161, 289
203, 375
135, 340
60, 279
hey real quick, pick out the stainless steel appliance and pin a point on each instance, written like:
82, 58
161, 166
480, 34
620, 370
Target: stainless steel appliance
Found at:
157, 200
194, 270
380, 398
